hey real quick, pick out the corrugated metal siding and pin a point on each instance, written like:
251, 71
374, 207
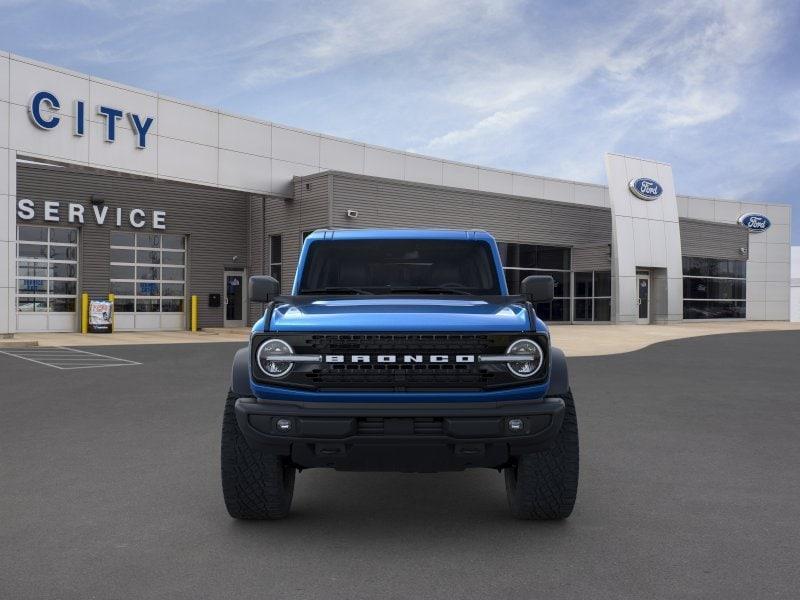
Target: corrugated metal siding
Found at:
713, 240
214, 219
313, 193
390, 203
591, 258
282, 217
308, 210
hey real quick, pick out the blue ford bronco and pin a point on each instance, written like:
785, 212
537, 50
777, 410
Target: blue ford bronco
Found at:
400, 350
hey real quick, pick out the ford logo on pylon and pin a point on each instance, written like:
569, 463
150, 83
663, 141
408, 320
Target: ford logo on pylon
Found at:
754, 222
646, 189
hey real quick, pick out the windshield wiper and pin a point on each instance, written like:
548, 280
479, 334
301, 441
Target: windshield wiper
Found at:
430, 290
337, 290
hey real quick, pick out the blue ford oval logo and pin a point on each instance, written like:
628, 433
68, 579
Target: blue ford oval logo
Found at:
754, 222
646, 189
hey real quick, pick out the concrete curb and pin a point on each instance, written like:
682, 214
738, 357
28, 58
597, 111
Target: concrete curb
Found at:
18, 344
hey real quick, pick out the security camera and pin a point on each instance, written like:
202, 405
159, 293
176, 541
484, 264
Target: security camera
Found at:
352, 213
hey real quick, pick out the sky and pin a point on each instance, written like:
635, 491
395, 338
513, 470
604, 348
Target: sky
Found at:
712, 87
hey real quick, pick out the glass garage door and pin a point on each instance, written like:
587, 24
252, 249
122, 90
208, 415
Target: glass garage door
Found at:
47, 278
148, 279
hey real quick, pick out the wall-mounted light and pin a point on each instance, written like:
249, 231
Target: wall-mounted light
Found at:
97, 201
743, 251
351, 213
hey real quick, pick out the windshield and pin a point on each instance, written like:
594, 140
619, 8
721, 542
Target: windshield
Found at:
399, 266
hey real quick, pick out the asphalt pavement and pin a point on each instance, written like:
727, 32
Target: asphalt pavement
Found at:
689, 488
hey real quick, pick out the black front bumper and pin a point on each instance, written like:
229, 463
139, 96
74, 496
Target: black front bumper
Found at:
400, 437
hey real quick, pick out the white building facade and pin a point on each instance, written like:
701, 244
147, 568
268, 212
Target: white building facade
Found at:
96, 129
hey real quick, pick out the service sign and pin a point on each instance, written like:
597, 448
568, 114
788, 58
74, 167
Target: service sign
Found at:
645, 189
72, 212
101, 313
754, 222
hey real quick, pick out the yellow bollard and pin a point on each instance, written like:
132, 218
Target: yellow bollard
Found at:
84, 312
111, 298
194, 313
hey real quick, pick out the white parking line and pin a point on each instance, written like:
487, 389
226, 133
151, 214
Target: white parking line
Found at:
68, 359
104, 356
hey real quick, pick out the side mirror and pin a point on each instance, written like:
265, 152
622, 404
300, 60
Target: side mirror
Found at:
263, 288
538, 288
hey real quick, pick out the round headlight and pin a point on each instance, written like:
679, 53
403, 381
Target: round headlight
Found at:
533, 361
274, 368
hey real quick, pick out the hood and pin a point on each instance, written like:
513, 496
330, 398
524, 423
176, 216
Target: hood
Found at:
400, 314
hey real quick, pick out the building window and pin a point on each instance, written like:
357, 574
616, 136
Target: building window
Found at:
148, 272
275, 256
592, 300
714, 288
47, 269
521, 260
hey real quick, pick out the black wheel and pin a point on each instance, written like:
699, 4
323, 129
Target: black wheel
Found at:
255, 485
543, 485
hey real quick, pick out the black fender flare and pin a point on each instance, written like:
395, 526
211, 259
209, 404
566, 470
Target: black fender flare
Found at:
240, 374
559, 376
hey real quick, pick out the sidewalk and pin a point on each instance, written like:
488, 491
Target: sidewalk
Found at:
575, 340
596, 340
125, 338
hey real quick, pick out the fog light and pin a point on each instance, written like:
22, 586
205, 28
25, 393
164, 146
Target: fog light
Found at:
516, 424
284, 424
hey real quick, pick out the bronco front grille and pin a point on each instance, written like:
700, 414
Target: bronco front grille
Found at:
401, 376
416, 342
419, 375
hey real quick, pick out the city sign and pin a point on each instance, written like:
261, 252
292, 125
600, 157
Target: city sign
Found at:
44, 106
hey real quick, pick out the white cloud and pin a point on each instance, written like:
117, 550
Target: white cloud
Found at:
492, 125
141, 7
671, 66
691, 71
345, 33
789, 130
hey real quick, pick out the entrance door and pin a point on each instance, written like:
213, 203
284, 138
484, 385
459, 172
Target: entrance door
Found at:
234, 299
643, 288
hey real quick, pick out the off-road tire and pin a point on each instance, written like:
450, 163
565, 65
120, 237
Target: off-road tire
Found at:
255, 485
543, 485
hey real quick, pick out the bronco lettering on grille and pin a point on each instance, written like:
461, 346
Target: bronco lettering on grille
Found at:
404, 358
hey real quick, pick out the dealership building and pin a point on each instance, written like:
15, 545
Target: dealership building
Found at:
107, 189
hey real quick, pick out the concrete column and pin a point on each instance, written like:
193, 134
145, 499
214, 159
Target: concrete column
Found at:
8, 202
8, 238
645, 235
